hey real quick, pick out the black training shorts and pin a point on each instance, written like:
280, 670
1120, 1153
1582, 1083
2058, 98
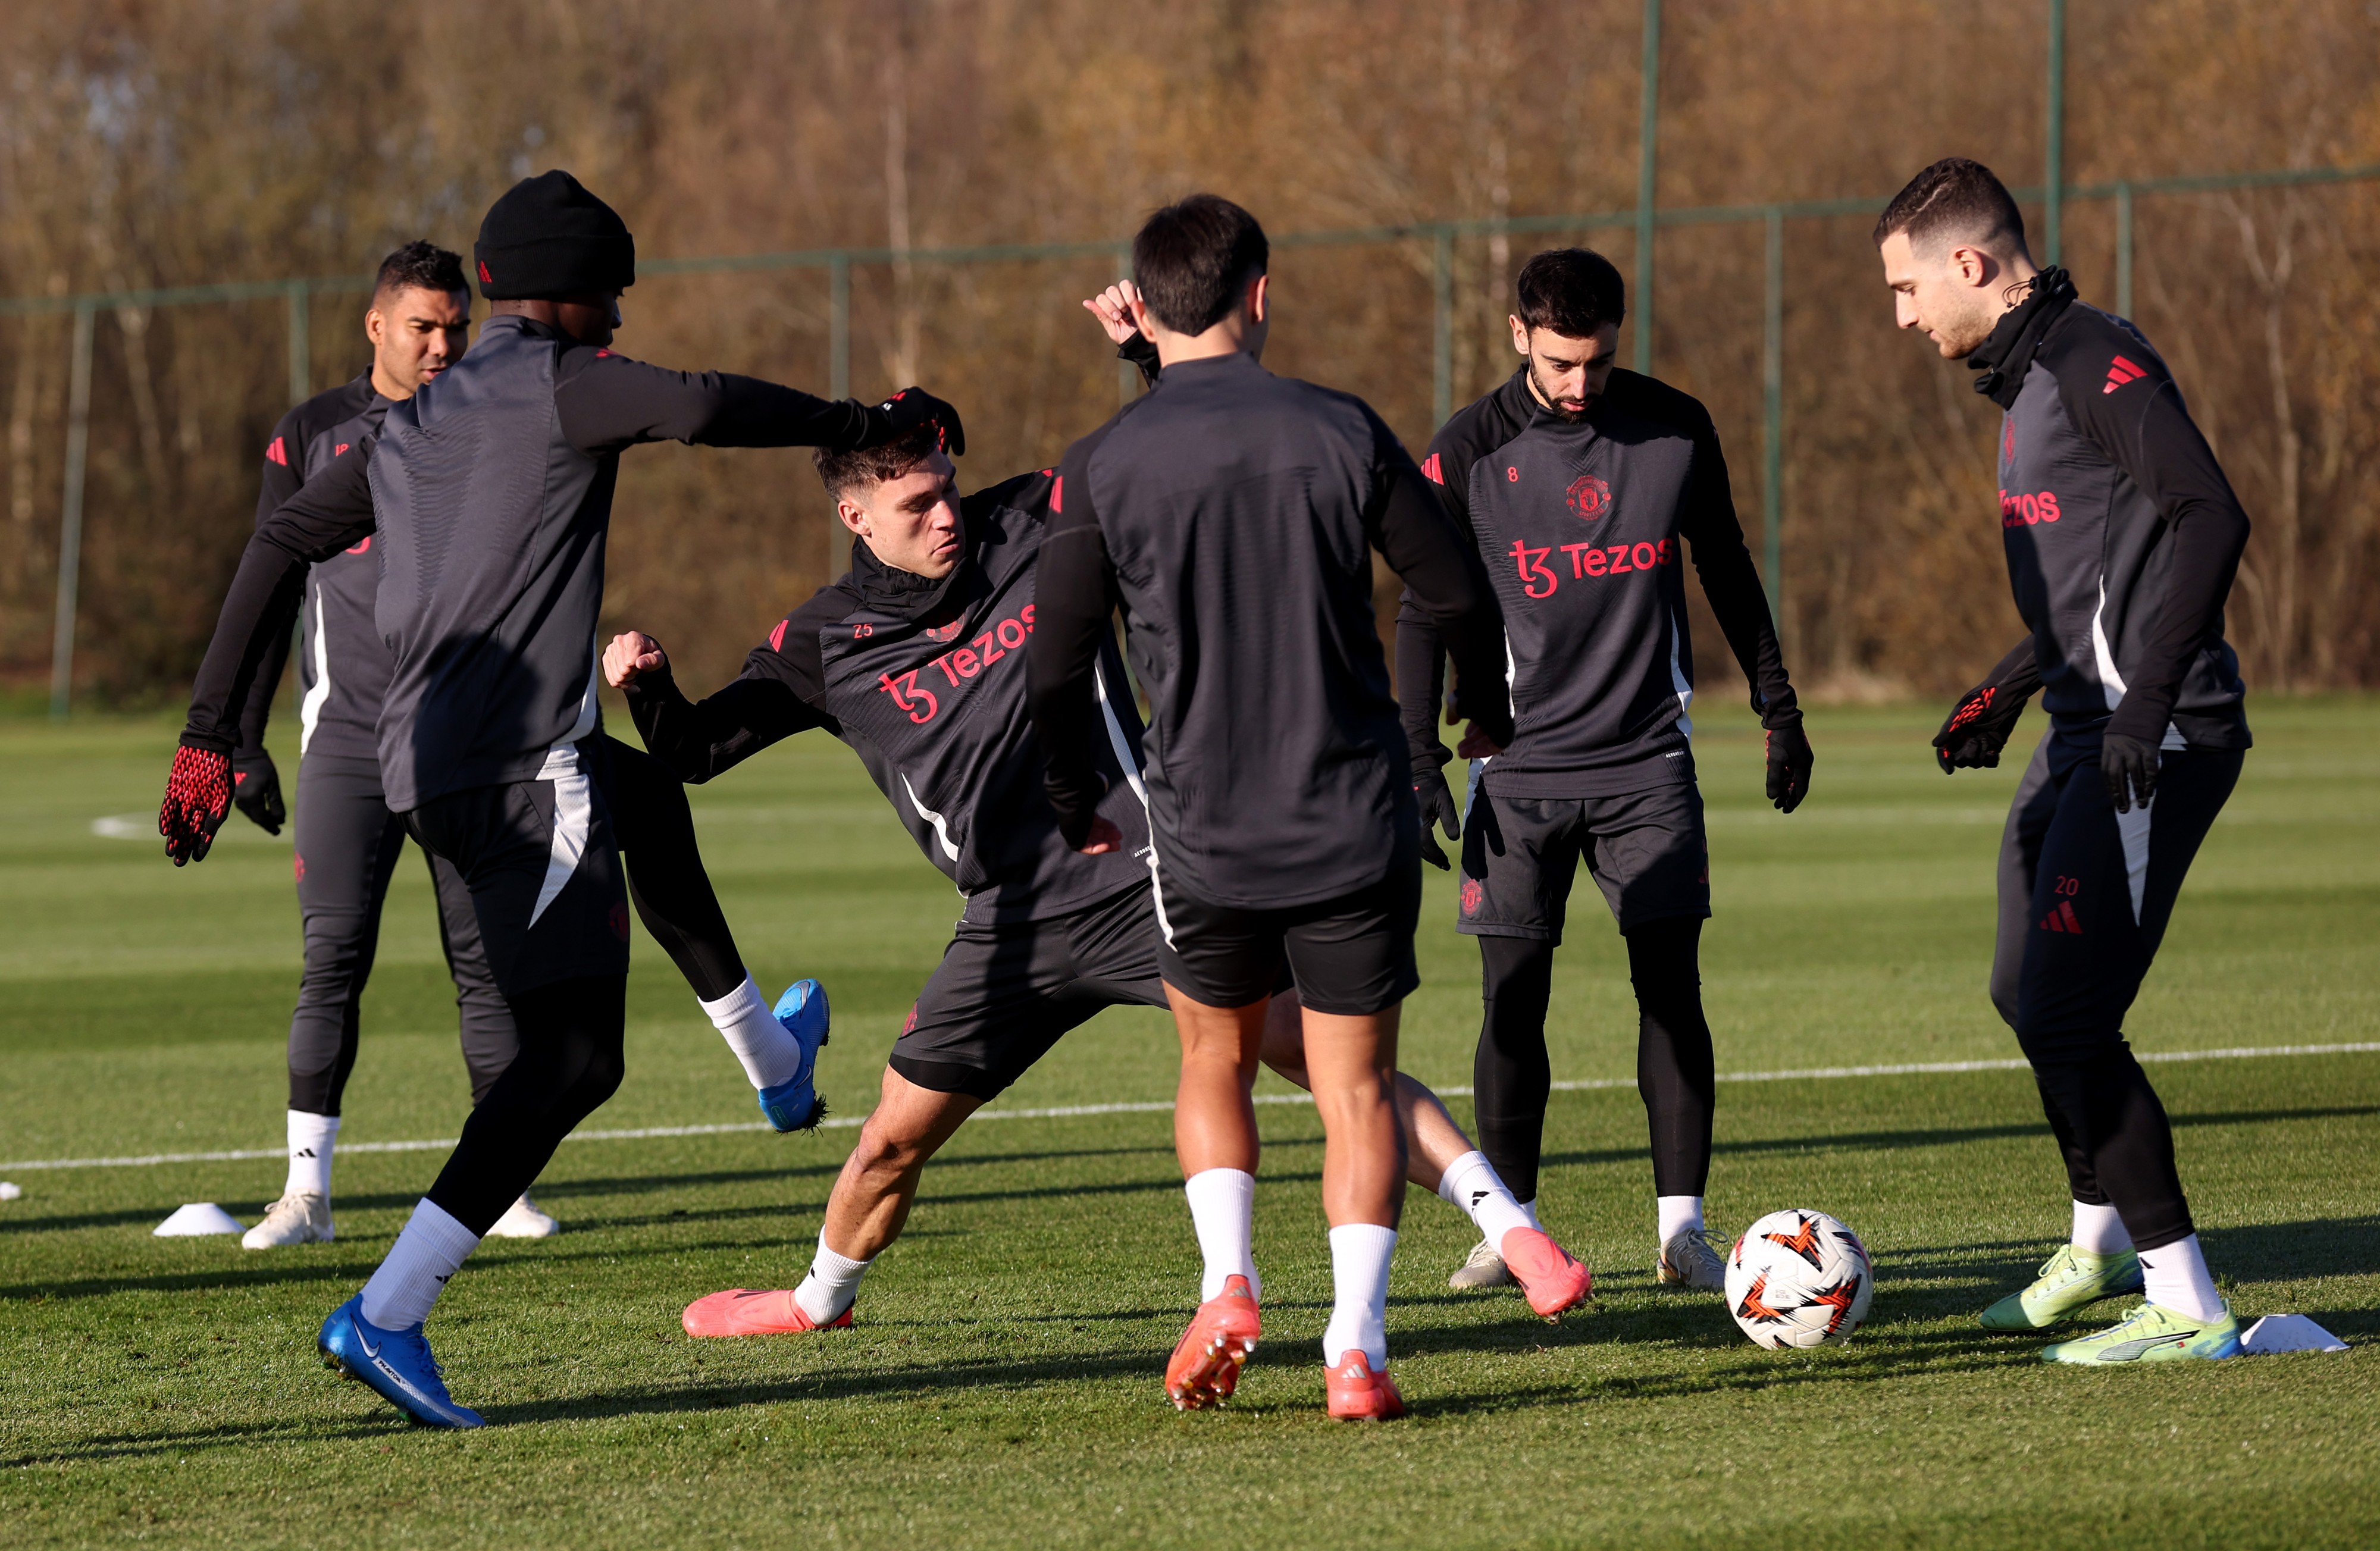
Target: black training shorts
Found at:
1519, 855
1352, 955
542, 865
1004, 994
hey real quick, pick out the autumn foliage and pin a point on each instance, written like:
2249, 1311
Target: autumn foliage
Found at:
165, 142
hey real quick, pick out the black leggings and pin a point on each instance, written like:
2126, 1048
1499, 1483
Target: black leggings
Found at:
666, 879
570, 1062
1511, 1076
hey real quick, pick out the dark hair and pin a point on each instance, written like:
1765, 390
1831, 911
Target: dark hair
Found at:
1193, 260
420, 263
1953, 201
1573, 291
845, 472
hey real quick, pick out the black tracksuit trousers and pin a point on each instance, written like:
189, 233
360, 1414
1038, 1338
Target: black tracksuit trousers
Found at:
348, 845
2084, 896
572, 1031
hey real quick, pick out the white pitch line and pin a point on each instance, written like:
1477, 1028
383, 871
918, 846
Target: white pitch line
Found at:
1154, 1106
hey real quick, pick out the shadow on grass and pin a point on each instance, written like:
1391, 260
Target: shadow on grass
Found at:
1949, 1137
135, 1446
292, 1267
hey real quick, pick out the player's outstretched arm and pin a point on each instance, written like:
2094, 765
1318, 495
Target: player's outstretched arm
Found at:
699, 739
1978, 726
329, 513
609, 402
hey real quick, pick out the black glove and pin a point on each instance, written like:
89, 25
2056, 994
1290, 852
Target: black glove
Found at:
1437, 808
1789, 764
905, 412
198, 799
255, 791
2124, 760
1978, 728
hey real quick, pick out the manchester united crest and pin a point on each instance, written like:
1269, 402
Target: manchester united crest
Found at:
1589, 497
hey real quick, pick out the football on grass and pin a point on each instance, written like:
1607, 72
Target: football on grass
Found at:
1798, 1278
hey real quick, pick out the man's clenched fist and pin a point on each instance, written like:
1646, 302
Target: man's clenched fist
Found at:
632, 652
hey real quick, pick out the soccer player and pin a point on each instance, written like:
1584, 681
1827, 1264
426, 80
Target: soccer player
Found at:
1233, 514
1584, 485
488, 495
2122, 538
348, 840
913, 658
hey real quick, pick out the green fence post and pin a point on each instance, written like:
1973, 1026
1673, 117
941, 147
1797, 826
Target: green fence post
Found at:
1441, 337
1648, 137
2123, 251
838, 328
1128, 374
2054, 193
70, 514
301, 343
1772, 422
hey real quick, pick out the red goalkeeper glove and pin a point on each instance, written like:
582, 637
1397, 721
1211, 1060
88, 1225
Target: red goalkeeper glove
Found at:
198, 798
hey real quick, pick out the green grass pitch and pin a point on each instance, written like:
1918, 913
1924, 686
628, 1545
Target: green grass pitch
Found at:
1002, 1386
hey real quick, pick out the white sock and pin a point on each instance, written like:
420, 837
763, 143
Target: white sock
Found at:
769, 1054
1529, 1210
1471, 1183
310, 1137
1222, 1208
832, 1283
2099, 1229
1678, 1213
432, 1248
1359, 1278
2178, 1280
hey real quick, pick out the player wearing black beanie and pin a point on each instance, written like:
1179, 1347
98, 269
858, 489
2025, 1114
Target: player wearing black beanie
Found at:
488, 496
548, 236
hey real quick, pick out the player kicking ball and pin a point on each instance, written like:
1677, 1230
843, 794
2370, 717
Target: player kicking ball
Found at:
1232, 515
914, 658
488, 497
1586, 488
2122, 538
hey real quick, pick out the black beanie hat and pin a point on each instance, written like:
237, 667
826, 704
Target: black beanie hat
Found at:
548, 236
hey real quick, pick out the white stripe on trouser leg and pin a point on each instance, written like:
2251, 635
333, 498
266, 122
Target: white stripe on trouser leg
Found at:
1123, 747
310, 710
2134, 828
574, 812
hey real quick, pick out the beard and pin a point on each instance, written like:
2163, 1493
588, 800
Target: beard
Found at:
1553, 404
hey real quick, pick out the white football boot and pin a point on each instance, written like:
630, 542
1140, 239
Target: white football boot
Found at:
1689, 1261
522, 1219
1485, 1268
299, 1218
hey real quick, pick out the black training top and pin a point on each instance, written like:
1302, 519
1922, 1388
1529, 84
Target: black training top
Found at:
343, 665
926, 681
488, 499
2122, 534
1579, 525
1232, 514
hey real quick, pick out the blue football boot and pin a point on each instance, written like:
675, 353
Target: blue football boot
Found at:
795, 1105
395, 1363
